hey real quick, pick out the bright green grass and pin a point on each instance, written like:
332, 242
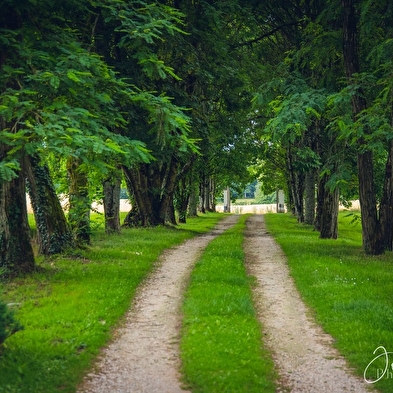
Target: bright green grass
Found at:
351, 294
69, 307
221, 337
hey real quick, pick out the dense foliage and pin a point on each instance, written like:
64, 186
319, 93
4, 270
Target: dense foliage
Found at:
325, 112
176, 99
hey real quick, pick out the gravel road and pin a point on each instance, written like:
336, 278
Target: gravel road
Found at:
143, 356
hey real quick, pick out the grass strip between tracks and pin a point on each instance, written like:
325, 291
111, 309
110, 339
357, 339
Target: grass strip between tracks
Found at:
221, 347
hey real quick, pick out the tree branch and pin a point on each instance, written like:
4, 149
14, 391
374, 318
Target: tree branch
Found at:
268, 34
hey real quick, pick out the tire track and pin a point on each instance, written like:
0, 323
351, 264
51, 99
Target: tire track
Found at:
305, 358
144, 355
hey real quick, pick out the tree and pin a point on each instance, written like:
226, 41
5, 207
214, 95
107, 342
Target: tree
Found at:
74, 116
111, 201
53, 232
16, 252
376, 225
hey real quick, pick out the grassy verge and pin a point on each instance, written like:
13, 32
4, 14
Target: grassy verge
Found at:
221, 341
351, 294
70, 305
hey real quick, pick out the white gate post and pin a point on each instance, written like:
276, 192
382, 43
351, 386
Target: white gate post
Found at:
280, 208
227, 200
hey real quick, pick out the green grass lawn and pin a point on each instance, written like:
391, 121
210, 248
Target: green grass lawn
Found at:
351, 294
221, 345
70, 305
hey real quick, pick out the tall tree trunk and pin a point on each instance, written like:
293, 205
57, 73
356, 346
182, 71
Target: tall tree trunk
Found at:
168, 190
371, 233
152, 188
16, 252
111, 187
133, 217
309, 197
386, 207
300, 196
296, 181
320, 201
328, 226
171, 214
202, 196
79, 201
193, 200
53, 232
289, 196
213, 193
141, 213
207, 195
182, 197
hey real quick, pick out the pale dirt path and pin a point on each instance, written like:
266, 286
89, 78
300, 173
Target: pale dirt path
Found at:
303, 353
143, 356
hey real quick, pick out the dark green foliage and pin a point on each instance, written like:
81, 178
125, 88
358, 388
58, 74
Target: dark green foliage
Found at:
8, 324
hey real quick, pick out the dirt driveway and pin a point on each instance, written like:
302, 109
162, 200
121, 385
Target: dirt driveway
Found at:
144, 355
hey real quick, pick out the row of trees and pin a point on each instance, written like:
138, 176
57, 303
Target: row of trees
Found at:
152, 92
325, 112
178, 98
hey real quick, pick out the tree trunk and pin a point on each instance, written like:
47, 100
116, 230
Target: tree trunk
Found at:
152, 188
386, 207
53, 232
182, 197
320, 201
202, 196
168, 190
111, 187
16, 252
309, 198
79, 201
132, 218
289, 196
170, 214
371, 234
213, 193
193, 201
328, 225
296, 181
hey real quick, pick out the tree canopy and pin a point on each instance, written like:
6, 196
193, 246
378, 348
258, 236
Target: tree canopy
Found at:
181, 98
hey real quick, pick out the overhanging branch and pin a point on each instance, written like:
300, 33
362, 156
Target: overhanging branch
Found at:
268, 34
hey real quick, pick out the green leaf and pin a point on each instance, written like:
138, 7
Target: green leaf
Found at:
71, 75
54, 82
